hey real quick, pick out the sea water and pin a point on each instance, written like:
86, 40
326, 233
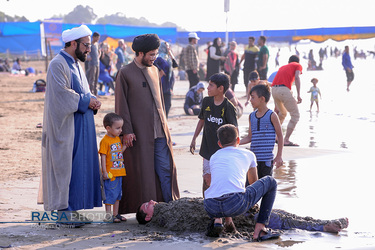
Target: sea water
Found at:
331, 174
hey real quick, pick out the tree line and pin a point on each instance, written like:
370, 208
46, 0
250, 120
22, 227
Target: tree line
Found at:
81, 14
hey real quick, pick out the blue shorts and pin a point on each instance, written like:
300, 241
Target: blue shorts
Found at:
113, 190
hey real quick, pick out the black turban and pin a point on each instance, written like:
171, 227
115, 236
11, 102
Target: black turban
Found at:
146, 43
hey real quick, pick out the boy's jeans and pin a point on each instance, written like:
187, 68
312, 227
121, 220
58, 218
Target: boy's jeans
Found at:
231, 205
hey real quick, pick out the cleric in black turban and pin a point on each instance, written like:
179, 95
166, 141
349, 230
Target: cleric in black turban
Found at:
145, 43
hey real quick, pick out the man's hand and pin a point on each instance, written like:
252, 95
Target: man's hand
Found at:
299, 100
94, 104
98, 104
127, 140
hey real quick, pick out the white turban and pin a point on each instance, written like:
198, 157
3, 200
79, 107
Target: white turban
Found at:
75, 33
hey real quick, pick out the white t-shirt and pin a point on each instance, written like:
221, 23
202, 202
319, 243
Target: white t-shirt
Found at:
229, 168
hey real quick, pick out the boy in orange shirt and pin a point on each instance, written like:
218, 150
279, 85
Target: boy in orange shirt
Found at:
113, 168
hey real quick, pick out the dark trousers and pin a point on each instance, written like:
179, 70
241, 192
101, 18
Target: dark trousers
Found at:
193, 78
167, 102
263, 74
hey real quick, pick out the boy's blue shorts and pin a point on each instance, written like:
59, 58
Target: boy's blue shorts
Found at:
113, 190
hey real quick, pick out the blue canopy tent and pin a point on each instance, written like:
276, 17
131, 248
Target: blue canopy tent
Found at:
20, 37
28, 37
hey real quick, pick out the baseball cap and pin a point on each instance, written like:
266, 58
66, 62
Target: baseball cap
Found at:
253, 76
193, 35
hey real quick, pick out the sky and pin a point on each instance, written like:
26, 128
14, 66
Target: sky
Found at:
209, 15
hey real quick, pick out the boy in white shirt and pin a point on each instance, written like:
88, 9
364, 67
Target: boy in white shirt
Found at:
227, 196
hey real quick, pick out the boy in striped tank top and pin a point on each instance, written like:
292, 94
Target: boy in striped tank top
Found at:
264, 128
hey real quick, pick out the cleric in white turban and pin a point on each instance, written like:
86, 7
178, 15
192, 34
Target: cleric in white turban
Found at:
70, 165
75, 33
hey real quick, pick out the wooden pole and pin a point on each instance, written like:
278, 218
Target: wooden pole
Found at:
50, 50
46, 56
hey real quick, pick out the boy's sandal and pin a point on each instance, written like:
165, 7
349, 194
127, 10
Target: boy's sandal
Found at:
115, 219
214, 229
291, 144
269, 235
120, 217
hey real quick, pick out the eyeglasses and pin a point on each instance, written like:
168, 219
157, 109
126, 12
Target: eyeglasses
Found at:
87, 45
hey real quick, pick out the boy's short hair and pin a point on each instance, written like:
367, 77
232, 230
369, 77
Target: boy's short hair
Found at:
293, 58
316, 79
253, 75
141, 216
95, 34
227, 134
262, 90
221, 79
252, 38
110, 118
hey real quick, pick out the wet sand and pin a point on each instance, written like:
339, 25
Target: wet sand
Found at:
328, 176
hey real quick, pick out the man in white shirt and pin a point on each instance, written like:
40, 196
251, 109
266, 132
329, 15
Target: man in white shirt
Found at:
227, 196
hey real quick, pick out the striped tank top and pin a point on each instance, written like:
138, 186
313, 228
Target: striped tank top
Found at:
263, 136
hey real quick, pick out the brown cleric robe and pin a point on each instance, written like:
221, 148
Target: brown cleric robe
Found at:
137, 90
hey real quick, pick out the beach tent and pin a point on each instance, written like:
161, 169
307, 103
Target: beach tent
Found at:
20, 37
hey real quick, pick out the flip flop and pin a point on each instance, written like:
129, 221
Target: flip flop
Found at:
115, 219
291, 144
214, 229
268, 236
120, 217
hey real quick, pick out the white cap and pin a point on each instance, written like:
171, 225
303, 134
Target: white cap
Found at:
75, 33
193, 35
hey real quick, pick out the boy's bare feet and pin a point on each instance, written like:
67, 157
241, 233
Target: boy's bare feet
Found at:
332, 227
344, 222
230, 227
336, 225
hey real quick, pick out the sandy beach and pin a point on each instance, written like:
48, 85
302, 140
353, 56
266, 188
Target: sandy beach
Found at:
329, 176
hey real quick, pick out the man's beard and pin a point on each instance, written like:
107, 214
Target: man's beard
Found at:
82, 56
144, 62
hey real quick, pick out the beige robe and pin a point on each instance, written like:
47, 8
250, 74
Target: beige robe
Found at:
61, 102
137, 90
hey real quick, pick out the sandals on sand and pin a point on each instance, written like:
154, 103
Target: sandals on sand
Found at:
269, 235
115, 219
291, 144
214, 229
119, 218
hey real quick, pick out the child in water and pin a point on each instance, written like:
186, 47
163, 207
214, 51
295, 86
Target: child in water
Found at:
315, 93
